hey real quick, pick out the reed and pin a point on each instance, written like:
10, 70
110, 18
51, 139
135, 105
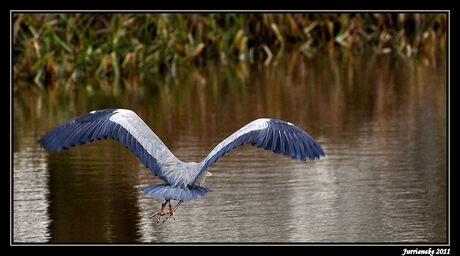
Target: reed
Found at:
48, 48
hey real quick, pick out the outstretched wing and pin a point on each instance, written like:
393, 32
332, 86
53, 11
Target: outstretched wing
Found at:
120, 124
271, 134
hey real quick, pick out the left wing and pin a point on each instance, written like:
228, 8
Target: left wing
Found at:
271, 134
125, 126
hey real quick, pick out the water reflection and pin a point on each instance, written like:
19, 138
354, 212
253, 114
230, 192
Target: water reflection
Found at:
31, 217
380, 119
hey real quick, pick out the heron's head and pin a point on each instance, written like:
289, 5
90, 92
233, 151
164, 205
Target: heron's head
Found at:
208, 174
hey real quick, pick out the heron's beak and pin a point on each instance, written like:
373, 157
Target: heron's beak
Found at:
208, 174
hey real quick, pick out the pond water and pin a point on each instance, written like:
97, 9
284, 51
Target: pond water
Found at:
381, 121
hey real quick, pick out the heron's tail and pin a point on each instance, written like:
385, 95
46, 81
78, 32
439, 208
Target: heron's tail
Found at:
166, 191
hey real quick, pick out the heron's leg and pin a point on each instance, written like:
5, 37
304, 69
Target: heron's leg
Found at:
177, 205
160, 212
171, 211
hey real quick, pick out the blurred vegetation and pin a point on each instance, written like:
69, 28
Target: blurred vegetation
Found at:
55, 50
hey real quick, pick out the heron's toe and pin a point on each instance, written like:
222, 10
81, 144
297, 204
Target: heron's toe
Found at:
158, 213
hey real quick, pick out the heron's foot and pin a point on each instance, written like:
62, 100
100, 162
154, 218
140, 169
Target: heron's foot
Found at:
160, 212
170, 213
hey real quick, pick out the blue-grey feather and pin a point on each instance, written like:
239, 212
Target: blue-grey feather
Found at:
314, 152
298, 137
298, 146
309, 150
302, 138
282, 143
290, 148
165, 191
295, 143
318, 149
267, 138
257, 138
274, 141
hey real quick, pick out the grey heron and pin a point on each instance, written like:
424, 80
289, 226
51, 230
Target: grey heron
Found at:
184, 181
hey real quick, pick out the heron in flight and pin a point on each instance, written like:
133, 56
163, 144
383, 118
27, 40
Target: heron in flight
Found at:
183, 181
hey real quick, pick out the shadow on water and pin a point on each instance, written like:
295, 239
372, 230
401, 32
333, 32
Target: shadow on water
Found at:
380, 119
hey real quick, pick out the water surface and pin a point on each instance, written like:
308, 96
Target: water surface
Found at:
380, 119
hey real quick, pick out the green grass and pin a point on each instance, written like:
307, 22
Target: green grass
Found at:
60, 47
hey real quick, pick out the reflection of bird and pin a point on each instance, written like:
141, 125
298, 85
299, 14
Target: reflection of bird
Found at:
184, 181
